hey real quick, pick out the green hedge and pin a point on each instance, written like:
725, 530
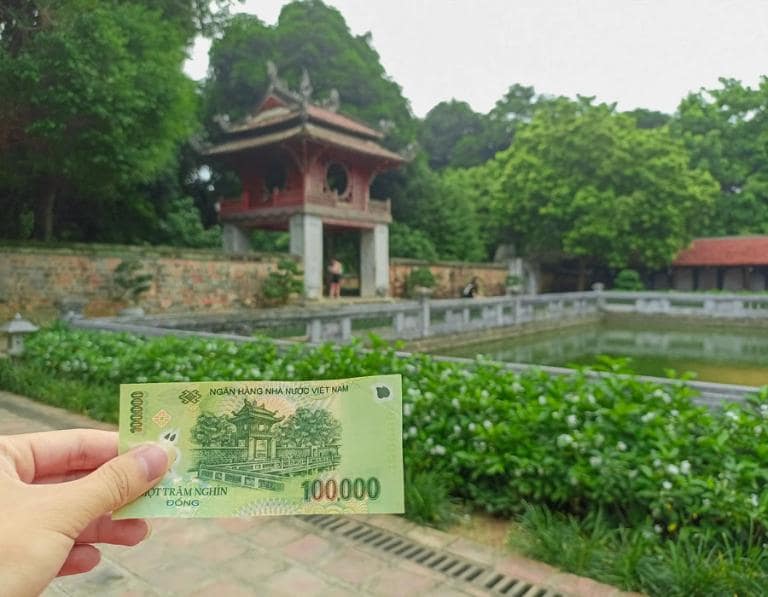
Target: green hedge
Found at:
641, 454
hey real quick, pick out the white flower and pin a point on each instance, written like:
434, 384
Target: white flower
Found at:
673, 469
685, 467
649, 416
407, 410
659, 393
455, 403
542, 400
591, 399
758, 429
412, 431
471, 426
574, 398
484, 394
439, 450
657, 528
632, 474
412, 368
517, 388
754, 500
564, 440
572, 420
456, 429
656, 462
732, 415
595, 461
487, 424
674, 412
621, 446
667, 485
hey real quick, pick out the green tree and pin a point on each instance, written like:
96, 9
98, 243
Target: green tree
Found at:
582, 181
725, 130
308, 34
445, 127
309, 427
405, 241
92, 101
212, 430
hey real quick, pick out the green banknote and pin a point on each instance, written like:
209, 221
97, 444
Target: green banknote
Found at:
269, 447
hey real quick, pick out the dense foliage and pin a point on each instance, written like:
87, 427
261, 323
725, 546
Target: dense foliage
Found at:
640, 457
583, 181
93, 104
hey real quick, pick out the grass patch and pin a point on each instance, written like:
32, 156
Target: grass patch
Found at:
697, 562
97, 401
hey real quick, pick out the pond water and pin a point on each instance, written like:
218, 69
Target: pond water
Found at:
720, 354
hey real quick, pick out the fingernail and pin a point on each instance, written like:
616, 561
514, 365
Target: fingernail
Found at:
154, 459
149, 530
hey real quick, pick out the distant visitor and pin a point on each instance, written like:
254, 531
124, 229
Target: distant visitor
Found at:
335, 271
471, 289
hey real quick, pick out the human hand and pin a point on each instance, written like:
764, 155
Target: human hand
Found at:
56, 492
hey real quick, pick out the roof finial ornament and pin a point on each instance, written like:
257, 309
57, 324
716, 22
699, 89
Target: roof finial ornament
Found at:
222, 120
272, 73
333, 102
305, 88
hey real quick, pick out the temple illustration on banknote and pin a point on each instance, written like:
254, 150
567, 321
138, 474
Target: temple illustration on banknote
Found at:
258, 448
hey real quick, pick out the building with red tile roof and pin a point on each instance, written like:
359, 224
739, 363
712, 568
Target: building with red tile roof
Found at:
721, 263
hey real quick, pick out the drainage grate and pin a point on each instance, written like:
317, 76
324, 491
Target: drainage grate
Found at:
452, 566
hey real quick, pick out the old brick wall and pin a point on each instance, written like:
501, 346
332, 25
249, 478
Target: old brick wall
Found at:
451, 276
35, 280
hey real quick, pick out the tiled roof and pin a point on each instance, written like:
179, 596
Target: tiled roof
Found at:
725, 251
339, 139
341, 121
275, 114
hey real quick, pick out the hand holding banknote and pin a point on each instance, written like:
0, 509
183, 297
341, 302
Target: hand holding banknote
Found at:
56, 492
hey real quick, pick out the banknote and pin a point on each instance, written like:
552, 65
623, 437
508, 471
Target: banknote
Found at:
269, 447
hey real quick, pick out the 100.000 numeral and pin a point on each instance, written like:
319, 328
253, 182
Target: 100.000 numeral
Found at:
346, 489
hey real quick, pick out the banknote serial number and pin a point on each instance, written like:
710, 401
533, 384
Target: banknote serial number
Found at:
346, 489
137, 411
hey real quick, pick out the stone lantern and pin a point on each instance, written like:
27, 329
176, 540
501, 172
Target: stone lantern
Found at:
16, 329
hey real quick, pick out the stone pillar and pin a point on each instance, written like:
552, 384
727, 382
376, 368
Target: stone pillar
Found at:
235, 239
307, 242
374, 261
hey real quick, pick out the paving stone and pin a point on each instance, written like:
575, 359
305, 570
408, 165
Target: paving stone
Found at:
226, 588
180, 576
352, 566
309, 549
397, 582
253, 567
274, 534
296, 581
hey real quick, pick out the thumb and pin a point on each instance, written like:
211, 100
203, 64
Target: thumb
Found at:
118, 481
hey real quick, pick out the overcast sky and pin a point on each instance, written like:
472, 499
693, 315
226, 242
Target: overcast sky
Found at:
639, 53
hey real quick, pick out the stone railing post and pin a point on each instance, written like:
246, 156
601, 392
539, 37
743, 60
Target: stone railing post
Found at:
598, 288
315, 330
424, 316
398, 322
346, 329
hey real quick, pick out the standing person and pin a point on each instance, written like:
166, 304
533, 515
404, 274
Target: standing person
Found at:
335, 269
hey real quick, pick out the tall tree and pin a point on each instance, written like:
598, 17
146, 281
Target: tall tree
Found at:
308, 34
92, 100
444, 127
582, 181
726, 131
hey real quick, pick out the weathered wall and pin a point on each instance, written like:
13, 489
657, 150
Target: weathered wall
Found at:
451, 276
36, 280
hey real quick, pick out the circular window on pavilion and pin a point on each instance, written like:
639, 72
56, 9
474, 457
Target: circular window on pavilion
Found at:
275, 178
336, 180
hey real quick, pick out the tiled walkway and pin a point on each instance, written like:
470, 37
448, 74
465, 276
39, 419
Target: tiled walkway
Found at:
276, 556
